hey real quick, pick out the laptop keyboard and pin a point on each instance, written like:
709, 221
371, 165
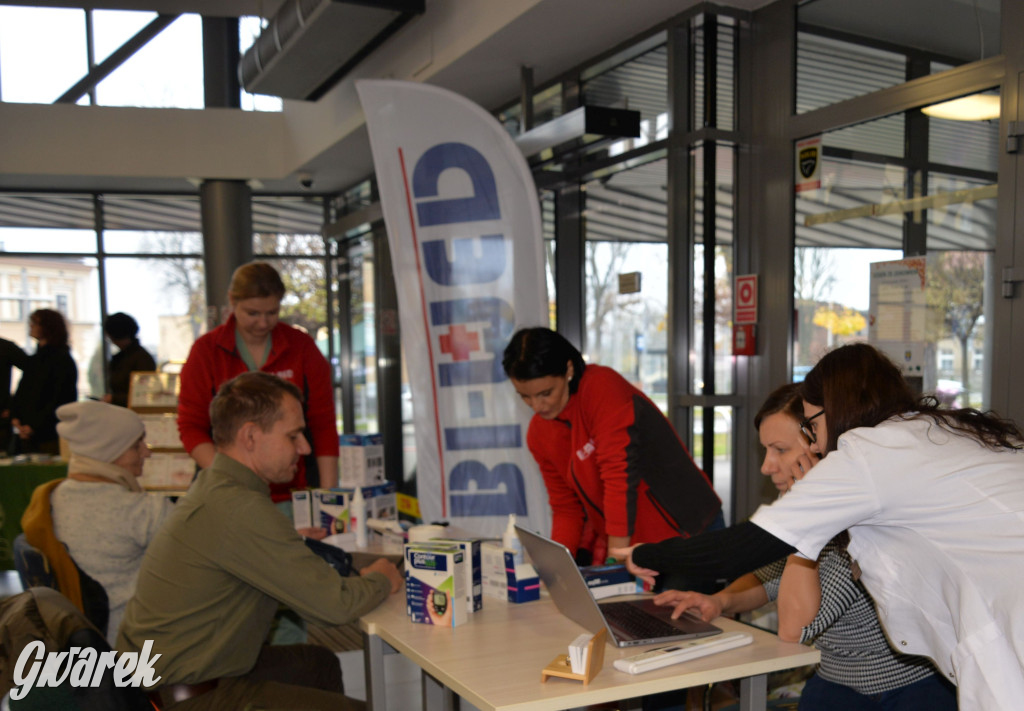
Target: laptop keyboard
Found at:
636, 622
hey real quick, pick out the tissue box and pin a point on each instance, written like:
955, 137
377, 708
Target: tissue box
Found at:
609, 580
360, 460
435, 584
330, 509
474, 581
523, 581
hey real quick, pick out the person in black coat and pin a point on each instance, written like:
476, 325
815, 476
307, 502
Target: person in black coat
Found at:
123, 331
49, 380
11, 356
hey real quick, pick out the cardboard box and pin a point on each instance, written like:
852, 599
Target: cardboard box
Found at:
360, 460
330, 509
302, 508
505, 579
523, 580
492, 569
381, 500
435, 584
474, 580
610, 580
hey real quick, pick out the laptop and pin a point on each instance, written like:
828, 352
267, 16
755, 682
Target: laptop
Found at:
629, 622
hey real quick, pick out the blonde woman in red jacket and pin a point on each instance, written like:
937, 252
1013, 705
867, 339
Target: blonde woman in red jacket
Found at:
611, 461
254, 339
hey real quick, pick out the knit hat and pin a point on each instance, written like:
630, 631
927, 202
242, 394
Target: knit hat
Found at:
98, 430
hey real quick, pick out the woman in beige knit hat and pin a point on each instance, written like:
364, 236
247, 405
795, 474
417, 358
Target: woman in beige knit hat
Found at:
99, 512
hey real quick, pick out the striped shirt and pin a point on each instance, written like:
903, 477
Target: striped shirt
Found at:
854, 649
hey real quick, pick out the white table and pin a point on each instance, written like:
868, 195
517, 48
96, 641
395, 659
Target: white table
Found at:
494, 661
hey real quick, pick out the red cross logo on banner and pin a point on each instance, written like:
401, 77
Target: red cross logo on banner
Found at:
459, 342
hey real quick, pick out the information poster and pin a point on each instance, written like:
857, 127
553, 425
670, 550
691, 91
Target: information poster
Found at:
897, 312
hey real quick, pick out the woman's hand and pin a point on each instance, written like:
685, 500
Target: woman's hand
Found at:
626, 556
801, 464
707, 607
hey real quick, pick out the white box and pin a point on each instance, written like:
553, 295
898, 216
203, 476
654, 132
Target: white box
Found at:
492, 569
360, 460
302, 508
435, 584
474, 576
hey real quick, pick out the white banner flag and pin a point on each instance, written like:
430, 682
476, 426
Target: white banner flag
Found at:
463, 223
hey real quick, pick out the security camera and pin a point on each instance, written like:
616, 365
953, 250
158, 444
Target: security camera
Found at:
306, 180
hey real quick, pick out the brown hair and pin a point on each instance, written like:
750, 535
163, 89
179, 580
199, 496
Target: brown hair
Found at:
53, 326
858, 386
255, 280
785, 399
250, 397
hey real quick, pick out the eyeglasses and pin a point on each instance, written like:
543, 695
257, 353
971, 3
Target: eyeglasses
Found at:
805, 427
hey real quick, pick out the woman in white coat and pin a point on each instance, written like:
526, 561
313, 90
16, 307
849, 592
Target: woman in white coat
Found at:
934, 503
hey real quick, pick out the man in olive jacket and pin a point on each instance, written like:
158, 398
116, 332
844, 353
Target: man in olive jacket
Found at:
213, 577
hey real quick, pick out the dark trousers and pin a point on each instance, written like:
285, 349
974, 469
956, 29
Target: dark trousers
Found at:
296, 676
932, 693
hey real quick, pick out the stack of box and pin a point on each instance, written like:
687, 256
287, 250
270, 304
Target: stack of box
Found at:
360, 460
435, 580
329, 508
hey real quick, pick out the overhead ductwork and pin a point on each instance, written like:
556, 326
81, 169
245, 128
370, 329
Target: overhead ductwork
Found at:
309, 45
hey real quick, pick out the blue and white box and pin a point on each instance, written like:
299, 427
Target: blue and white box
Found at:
360, 460
435, 584
609, 580
474, 573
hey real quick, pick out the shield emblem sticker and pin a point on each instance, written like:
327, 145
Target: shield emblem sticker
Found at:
808, 161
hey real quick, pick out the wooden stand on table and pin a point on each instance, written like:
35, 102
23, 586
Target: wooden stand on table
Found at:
561, 667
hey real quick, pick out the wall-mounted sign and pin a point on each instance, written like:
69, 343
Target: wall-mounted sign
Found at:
808, 164
745, 299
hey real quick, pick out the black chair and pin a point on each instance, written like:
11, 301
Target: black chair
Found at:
35, 572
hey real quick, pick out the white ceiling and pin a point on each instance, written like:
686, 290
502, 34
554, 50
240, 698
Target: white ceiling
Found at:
474, 48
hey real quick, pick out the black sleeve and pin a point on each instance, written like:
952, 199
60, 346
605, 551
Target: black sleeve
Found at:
727, 553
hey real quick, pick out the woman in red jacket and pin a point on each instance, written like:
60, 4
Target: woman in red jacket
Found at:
611, 461
253, 339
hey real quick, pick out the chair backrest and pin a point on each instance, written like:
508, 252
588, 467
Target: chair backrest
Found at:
35, 572
32, 566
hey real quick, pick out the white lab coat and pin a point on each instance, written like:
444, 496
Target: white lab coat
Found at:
936, 524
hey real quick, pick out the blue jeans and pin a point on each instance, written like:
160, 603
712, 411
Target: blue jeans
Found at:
930, 694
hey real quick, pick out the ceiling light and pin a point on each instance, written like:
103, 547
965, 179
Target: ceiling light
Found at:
977, 107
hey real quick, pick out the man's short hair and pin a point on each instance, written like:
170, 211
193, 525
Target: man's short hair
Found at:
249, 397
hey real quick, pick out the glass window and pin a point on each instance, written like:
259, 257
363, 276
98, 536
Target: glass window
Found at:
964, 144
15, 239
362, 316
66, 284
167, 72
721, 270
547, 221
249, 29
42, 53
638, 84
165, 295
725, 76
150, 213
831, 70
626, 276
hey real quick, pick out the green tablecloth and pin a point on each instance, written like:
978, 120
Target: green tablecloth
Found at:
17, 482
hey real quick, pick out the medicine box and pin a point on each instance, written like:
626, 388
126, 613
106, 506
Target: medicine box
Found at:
435, 584
302, 508
474, 579
492, 570
609, 580
360, 460
522, 578
330, 509
503, 578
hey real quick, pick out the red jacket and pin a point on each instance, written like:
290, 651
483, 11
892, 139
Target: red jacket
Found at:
612, 460
293, 356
